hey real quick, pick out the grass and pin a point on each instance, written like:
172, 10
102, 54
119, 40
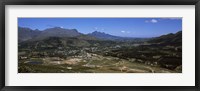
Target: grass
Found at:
63, 68
95, 64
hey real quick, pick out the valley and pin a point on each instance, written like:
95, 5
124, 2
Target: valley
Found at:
58, 50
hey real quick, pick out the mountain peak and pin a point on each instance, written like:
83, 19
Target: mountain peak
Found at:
24, 28
27, 33
102, 35
54, 28
98, 32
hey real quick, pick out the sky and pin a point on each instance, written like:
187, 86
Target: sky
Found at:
124, 27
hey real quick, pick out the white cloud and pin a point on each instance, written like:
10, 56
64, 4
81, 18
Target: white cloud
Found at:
160, 19
125, 32
154, 21
151, 21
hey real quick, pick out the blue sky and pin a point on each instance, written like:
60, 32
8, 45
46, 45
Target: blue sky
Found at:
125, 27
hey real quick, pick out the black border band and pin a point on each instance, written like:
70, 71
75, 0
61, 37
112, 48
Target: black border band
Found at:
99, 2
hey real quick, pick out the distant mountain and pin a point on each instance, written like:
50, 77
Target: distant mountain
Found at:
173, 39
58, 32
27, 33
104, 36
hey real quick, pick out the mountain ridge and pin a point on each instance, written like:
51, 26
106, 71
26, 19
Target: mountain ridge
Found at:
34, 35
58, 32
171, 38
103, 36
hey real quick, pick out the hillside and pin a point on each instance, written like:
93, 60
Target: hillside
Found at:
172, 39
87, 54
58, 32
27, 34
104, 36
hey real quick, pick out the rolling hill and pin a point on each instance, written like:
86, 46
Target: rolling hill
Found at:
171, 38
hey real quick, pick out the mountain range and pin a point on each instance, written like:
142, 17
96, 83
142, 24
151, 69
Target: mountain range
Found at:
25, 34
29, 34
104, 36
